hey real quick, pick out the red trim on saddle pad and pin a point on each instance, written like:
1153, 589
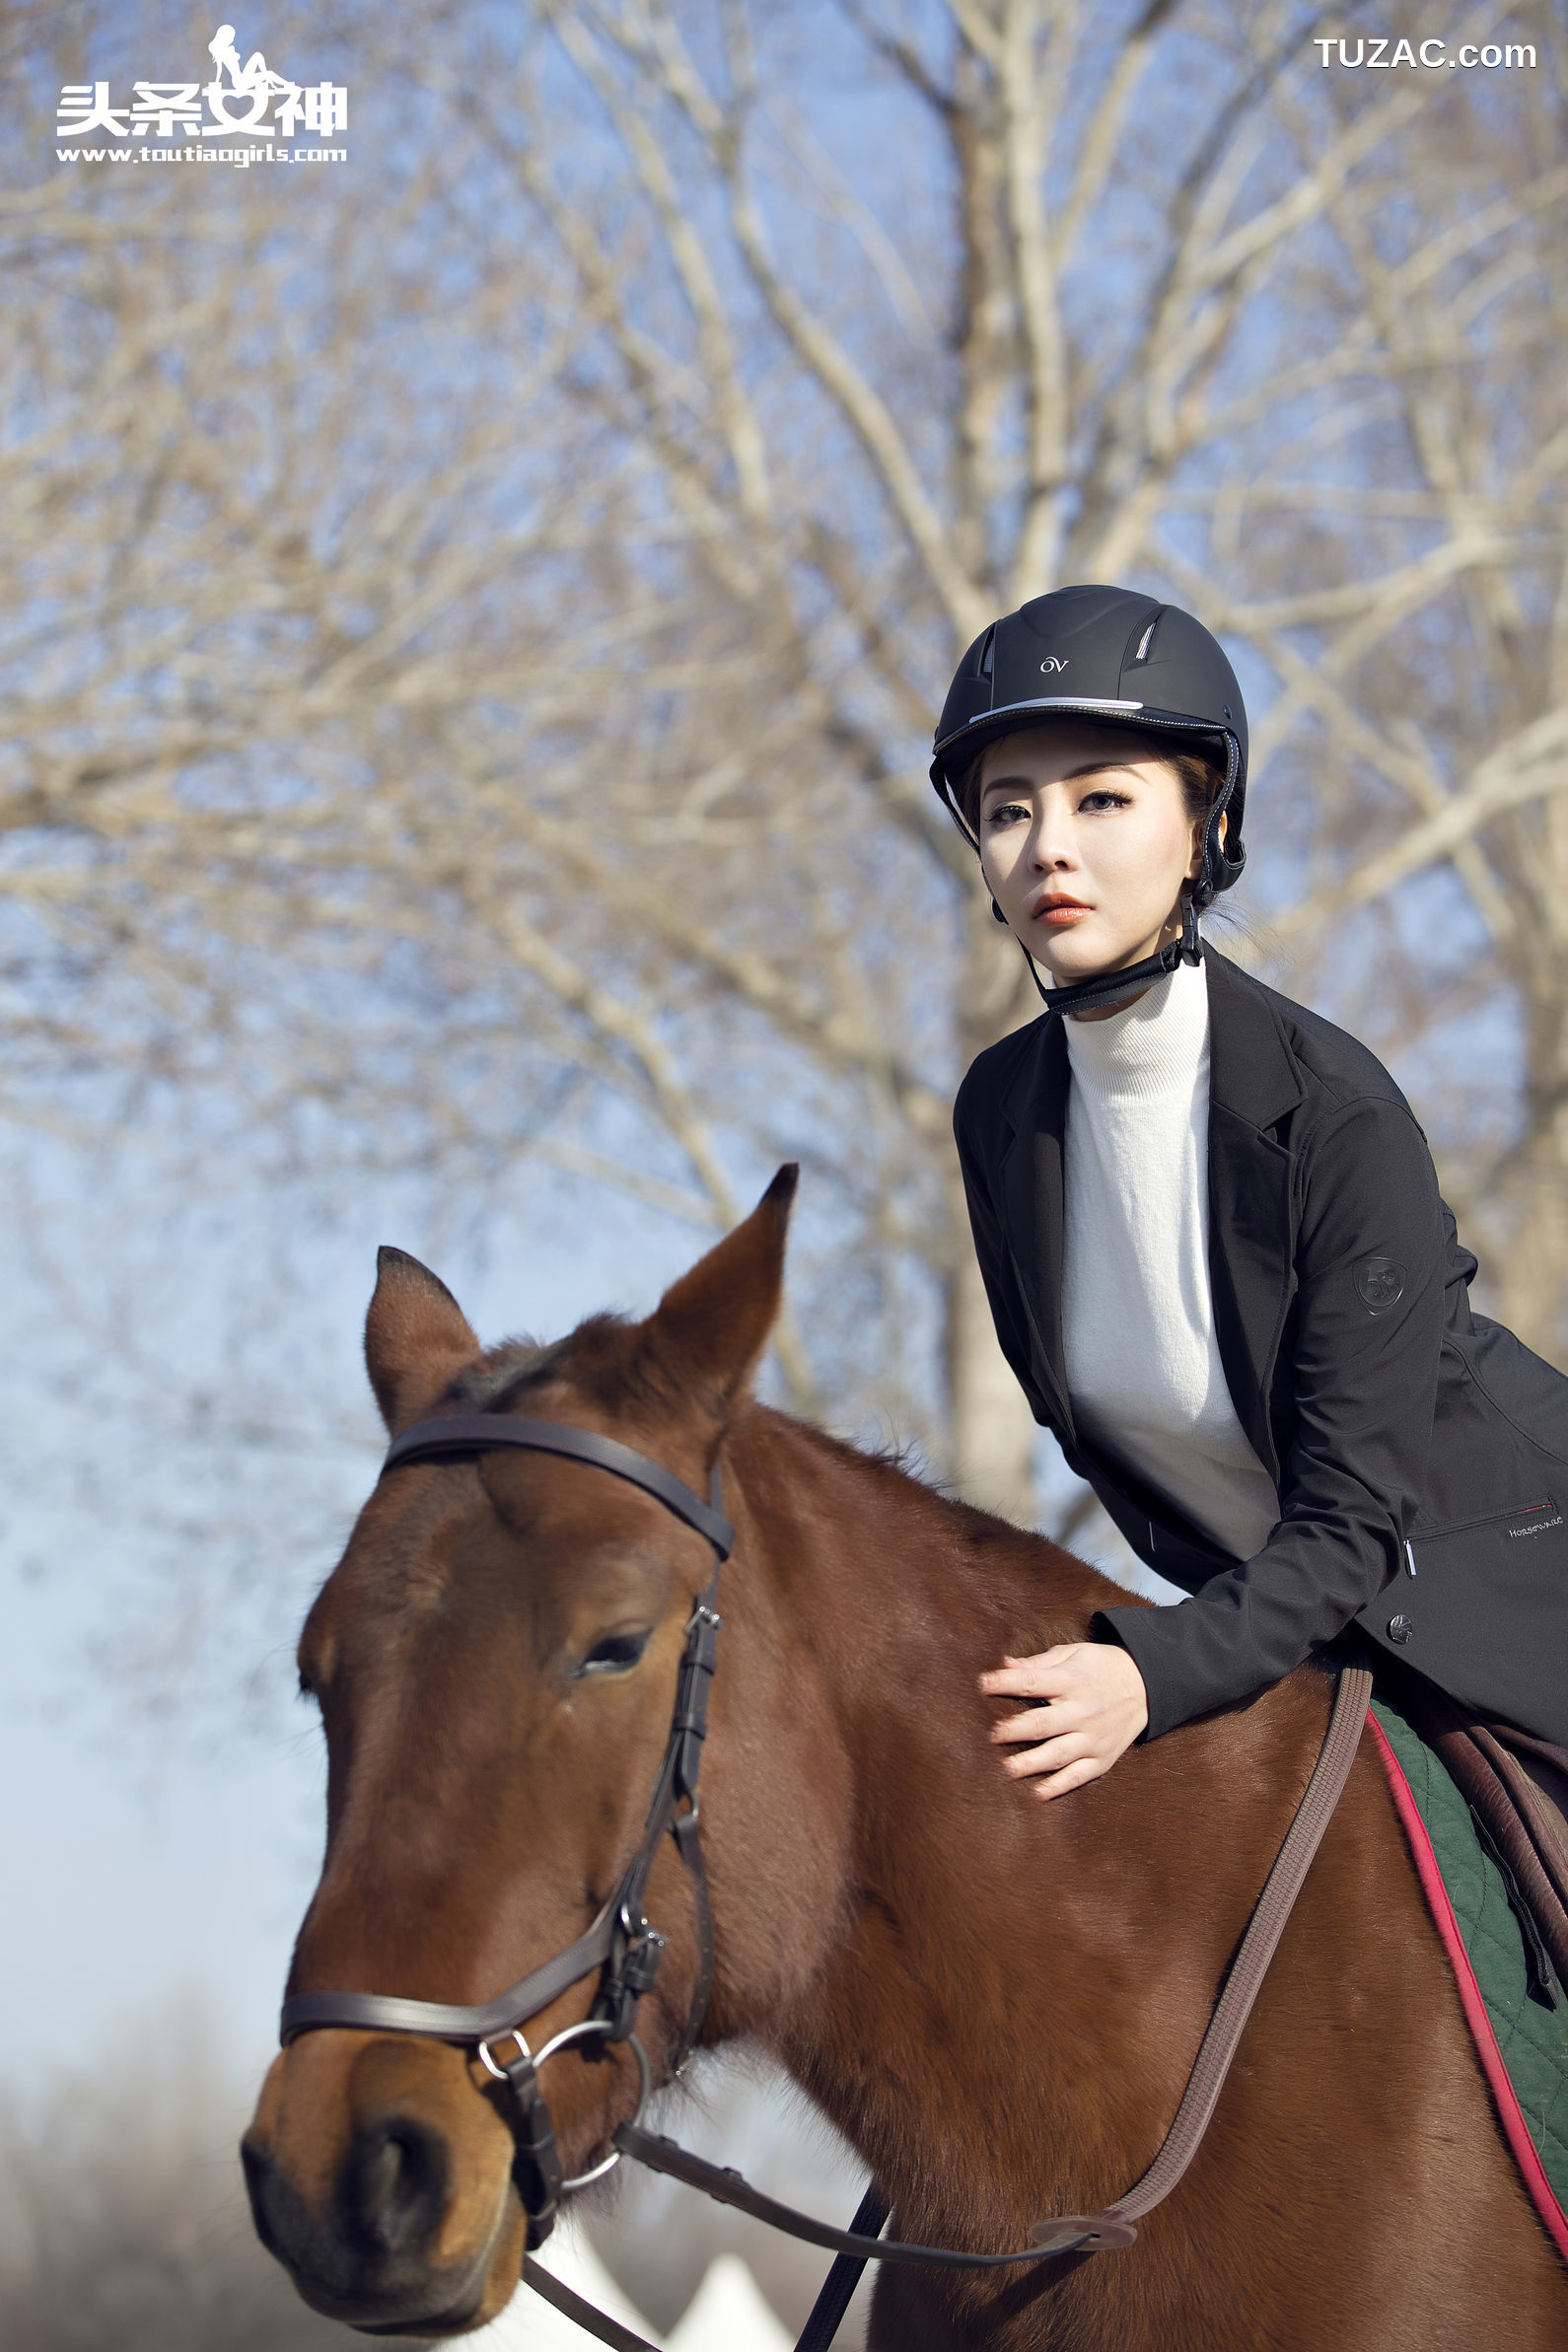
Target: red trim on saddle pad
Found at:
1515, 2129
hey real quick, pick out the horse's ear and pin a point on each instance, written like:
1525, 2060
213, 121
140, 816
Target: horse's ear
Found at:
711, 1327
416, 1337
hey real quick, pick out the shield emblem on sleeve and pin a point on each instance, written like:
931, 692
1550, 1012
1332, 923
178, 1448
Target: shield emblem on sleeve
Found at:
1380, 1282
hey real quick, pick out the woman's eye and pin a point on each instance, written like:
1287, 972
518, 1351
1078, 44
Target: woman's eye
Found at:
615, 1654
1008, 813
1105, 799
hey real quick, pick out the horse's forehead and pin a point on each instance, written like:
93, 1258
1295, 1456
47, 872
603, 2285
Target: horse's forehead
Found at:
533, 1528
398, 1563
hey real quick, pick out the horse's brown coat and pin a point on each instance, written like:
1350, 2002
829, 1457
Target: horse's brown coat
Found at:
997, 2000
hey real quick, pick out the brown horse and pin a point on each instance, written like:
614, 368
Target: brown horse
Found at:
997, 2001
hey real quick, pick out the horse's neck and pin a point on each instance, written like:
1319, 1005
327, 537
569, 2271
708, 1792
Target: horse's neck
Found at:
968, 1959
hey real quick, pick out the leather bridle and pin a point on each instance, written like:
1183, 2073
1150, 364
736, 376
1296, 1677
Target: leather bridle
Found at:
621, 1944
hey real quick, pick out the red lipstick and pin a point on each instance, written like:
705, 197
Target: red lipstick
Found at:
1057, 909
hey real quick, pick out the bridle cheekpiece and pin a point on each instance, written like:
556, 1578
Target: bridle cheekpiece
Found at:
620, 1943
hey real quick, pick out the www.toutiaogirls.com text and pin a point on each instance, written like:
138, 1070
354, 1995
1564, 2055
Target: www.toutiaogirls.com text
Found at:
240, 156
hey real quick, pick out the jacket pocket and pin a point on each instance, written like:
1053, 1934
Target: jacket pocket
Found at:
1479, 1606
1524, 1524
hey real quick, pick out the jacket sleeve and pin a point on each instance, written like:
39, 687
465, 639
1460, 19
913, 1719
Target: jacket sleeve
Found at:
1364, 1340
1001, 1289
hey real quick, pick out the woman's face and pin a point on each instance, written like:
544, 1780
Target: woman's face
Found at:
1085, 843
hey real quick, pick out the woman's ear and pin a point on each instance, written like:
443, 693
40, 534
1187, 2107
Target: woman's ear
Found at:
1195, 862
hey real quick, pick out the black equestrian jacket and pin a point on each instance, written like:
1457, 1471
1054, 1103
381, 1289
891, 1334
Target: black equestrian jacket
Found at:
1419, 1452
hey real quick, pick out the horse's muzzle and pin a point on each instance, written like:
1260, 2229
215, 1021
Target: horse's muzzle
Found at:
388, 2205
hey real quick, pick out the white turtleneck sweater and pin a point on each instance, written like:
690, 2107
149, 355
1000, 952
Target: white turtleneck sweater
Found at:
1143, 1363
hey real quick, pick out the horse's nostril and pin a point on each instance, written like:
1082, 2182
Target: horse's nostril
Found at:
396, 2182
260, 2179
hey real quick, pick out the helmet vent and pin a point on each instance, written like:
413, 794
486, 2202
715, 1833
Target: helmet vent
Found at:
985, 653
1142, 654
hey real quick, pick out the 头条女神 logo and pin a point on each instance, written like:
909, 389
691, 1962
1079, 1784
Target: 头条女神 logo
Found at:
263, 108
1380, 1284
1053, 662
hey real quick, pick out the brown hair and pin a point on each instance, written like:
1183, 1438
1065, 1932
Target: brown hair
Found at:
1200, 779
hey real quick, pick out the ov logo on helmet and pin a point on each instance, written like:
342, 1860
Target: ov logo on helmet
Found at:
1053, 663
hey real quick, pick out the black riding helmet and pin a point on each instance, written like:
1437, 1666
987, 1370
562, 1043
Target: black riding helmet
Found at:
1108, 654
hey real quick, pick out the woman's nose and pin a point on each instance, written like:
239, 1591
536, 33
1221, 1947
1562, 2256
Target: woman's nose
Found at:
1051, 844
1052, 848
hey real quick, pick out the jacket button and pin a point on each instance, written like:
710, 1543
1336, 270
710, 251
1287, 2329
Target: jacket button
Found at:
1401, 1629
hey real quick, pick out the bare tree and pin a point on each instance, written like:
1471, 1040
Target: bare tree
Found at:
473, 629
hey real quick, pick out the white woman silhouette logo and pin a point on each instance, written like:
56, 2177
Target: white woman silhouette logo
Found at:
252, 79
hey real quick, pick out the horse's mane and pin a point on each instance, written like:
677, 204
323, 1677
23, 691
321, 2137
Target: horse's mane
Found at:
595, 1356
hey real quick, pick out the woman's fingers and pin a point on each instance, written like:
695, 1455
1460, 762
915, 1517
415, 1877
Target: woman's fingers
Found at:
1058, 1765
1050, 1756
1038, 1723
1073, 1777
1093, 1705
1043, 1676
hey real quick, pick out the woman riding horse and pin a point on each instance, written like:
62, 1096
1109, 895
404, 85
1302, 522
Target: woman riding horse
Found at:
1212, 1239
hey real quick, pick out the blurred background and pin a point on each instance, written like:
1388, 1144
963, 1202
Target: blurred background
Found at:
472, 618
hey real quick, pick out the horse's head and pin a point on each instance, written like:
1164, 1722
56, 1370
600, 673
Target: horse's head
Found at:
495, 1657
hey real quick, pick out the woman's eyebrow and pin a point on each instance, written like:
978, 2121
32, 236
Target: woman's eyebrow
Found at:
1091, 767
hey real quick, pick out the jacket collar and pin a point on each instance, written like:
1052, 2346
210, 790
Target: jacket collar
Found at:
1254, 1081
1252, 1072
1035, 1108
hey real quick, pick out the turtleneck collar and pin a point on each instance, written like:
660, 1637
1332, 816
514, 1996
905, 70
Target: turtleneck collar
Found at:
1155, 1045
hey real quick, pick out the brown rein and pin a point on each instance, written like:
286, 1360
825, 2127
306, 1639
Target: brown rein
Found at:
622, 1945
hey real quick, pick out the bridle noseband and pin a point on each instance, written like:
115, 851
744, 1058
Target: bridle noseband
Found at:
620, 1943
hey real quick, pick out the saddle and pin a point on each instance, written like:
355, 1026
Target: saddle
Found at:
1517, 1789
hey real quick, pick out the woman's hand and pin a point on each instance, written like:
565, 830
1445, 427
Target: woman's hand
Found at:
1095, 1706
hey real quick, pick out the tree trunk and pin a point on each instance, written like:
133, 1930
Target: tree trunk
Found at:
992, 1428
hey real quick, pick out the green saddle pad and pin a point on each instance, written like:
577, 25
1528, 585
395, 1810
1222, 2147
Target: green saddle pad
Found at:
1532, 2038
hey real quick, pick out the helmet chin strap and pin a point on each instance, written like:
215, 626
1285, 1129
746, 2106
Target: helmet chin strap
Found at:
1111, 987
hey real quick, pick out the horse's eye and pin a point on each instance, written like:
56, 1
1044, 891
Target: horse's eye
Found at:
616, 1652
